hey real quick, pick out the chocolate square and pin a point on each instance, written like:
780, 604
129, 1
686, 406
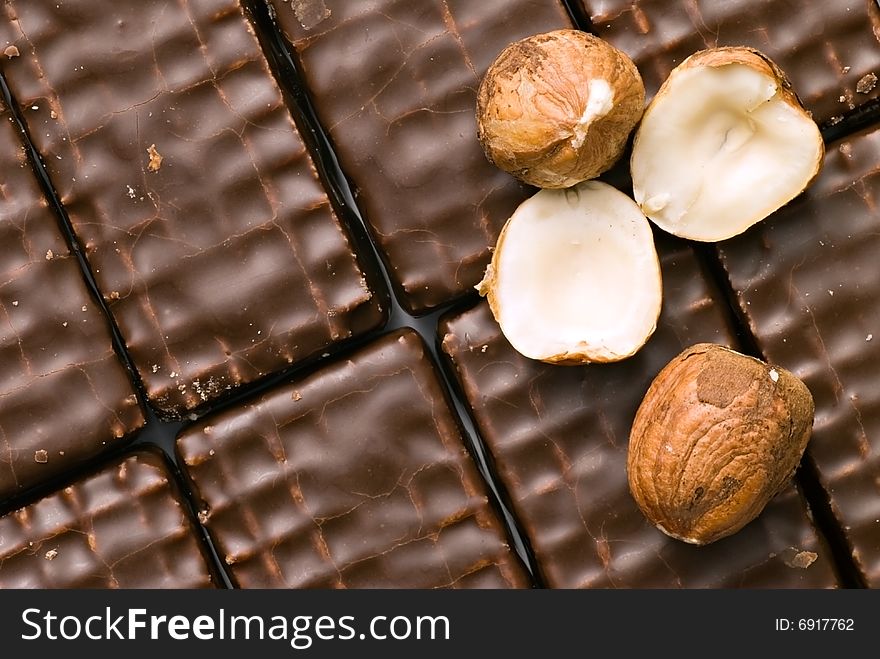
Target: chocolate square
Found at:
122, 527
355, 476
208, 231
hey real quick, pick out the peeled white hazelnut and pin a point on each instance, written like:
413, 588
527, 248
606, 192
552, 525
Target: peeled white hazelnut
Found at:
723, 144
574, 277
557, 108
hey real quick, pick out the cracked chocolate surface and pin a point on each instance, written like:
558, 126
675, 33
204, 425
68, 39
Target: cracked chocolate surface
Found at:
203, 219
806, 280
395, 84
64, 394
123, 527
559, 437
826, 48
356, 476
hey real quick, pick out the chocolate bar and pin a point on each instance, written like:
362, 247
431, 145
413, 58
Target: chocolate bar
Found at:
170, 147
806, 281
828, 50
355, 476
123, 527
394, 84
559, 435
64, 395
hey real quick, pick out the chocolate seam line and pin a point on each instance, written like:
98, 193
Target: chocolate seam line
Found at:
290, 79
418, 303
854, 121
806, 477
579, 15
44, 487
862, 119
64, 224
477, 444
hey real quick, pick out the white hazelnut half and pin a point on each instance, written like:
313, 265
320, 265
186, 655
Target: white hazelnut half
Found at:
574, 277
723, 144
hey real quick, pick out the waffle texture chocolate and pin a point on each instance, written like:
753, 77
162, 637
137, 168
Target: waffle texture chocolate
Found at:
64, 394
829, 50
167, 140
123, 527
355, 476
394, 84
806, 280
559, 436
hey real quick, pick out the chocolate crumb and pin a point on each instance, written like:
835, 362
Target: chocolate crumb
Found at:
866, 83
310, 12
11, 51
296, 395
41, 456
802, 559
155, 159
52, 553
49, 254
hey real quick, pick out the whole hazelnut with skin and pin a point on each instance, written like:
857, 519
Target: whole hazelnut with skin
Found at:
557, 108
717, 436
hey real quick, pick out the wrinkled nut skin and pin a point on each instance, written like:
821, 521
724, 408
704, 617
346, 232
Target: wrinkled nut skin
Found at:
532, 101
717, 436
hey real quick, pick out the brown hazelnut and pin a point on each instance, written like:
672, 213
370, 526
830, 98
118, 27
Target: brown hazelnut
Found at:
717, 436
557, 108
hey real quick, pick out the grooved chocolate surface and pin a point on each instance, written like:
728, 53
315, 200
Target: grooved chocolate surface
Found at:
64, 395
559, 439
394, 83
806, 280
355, 476
168, 142
123, 527
825, 47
